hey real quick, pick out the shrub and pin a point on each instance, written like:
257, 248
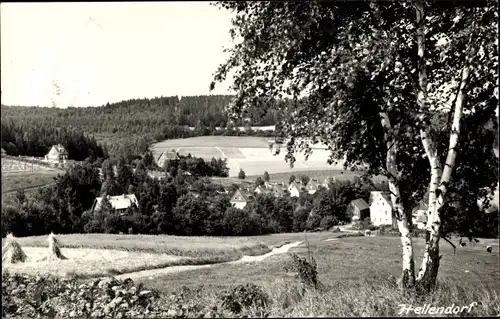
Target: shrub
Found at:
389, 231
27, 296
243, 297
306, 270
328, 221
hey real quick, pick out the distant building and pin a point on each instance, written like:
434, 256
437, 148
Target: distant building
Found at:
241, 198
269, 185
294, 189
4, 152
164, 156
419, 215
358, 209
260, 190
419, 219
119, 202
327, 182
312, 186
381, 212
279, 191
57, 154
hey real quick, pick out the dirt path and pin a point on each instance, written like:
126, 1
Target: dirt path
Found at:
175, 269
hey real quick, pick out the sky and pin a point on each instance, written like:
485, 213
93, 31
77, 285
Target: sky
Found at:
88, 54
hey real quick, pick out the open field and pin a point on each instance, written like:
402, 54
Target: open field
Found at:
12, 181
93, 255
252, 154
356, 274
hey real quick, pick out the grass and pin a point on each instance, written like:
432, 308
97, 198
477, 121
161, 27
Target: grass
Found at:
184, 246
95, 255
358, 278
26, 180
213, 141
357, 273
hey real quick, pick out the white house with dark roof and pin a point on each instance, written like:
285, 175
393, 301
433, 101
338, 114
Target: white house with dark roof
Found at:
381, 212
294, 189
312, 186
241, 198
57, 154
119, 202
260, 190
164, 156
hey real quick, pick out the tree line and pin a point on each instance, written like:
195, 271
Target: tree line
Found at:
128, 126
188, 205
37, 139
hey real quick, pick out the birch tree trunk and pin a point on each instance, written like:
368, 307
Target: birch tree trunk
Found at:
427, 275
408, 271
430, 264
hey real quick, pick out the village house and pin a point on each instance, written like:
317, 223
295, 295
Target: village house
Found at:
419, 215
164, 156
241, 198
294, 189
57, 154
381, 212
327, 182
279, 191
358, 209
269, 185
260, 190
312, 186
119, 202
419, 220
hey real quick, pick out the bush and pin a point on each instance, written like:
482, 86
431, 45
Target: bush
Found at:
243, 297
27, 296
328, 221
306, 270
389, 231
313, 221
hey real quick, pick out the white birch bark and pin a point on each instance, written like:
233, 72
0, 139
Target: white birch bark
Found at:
408, 264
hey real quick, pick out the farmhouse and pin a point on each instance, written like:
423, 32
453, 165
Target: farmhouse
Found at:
294, 189
241, 198
278, 191
419, 219
358, 209
381, 212
419, 215
164, 156
269, 185
327, 181
312, 187
57, 154
119, 202
260, 190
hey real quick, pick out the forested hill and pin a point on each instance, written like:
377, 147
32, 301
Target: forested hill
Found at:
135, 122
133, 116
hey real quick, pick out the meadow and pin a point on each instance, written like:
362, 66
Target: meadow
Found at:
357, 274
12, 181
249, 153
93, 255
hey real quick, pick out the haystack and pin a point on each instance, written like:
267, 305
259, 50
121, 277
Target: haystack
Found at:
54, 249
12, 252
